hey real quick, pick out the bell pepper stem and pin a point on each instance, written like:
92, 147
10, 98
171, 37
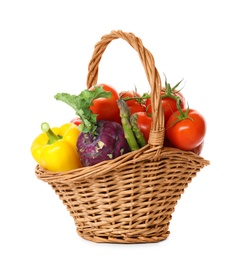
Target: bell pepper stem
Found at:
45, 127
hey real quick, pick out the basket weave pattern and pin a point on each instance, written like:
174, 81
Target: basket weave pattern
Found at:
129, 199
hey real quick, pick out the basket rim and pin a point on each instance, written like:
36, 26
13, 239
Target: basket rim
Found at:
145, 153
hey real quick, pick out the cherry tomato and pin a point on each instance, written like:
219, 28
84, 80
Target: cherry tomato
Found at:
134, 104
107, 108
77, 121
144, 123
168, 104
188, 133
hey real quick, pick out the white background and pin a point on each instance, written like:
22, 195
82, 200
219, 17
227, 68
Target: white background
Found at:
45, 48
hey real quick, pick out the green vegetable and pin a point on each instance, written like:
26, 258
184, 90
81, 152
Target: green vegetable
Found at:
125, 119
81, 104
99, 140
136, 130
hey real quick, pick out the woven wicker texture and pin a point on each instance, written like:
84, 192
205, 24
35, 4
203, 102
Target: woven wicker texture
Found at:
129, 199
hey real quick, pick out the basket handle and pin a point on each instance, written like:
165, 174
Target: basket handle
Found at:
156, 136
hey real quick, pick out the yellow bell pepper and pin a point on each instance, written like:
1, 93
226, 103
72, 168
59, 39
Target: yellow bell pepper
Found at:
55, 148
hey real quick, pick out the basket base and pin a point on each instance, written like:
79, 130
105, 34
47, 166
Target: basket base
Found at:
122, 239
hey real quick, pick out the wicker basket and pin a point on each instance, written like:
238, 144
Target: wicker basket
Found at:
129, 199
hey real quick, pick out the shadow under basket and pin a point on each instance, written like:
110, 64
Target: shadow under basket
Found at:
129, 199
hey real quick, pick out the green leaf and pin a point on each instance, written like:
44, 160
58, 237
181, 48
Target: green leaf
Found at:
81, 104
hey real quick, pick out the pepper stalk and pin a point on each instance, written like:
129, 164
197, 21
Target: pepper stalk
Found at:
52, 137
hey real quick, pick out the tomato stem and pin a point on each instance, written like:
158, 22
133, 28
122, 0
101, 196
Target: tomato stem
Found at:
138, 99
181, 116
169, 91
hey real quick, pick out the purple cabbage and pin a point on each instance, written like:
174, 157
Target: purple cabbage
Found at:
107, 144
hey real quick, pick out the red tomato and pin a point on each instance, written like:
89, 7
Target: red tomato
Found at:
144, 123
188, 133
77, 121
196, 150
133, 104
167, 143
107, 108
168, 104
